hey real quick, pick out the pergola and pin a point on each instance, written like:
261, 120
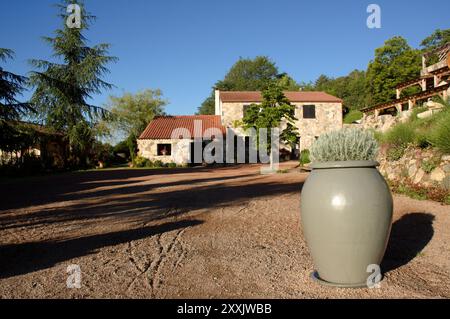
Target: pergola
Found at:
433, 81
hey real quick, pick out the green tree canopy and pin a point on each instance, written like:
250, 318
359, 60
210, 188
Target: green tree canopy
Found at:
11, 85
435, 40
271, 113
131, 113
350, 88
64, 87
249, 75
13, 135
394, 63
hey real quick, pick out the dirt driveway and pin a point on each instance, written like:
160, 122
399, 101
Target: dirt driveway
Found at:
192, 233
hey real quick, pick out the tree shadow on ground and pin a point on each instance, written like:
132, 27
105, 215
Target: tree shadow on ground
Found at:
18, 259
70, 186
409, 236
141, 206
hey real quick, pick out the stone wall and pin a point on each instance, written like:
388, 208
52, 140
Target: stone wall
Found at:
383, 123
328, 118
421, 167
180, 150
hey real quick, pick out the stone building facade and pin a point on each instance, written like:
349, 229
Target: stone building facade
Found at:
179, 150
316, 113
324, 112
172, 139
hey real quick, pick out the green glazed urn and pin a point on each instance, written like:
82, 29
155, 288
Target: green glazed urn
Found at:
346, 216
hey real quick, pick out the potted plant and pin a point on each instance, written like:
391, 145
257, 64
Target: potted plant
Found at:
346, 208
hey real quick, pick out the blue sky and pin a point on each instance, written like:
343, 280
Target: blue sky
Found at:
184, 47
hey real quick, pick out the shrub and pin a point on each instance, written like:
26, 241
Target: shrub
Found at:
422, 139
353, 116
158, 164
447, 200
394, 153
141, 162
149, 164
434, 193
429, 166
345, 145
400, 135
412, 191
123, 148
172, 165
305, 157
440, 133
103, 153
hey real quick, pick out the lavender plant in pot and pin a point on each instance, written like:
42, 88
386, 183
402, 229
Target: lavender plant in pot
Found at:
346, 208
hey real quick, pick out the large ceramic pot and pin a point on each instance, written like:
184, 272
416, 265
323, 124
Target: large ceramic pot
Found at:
346, 215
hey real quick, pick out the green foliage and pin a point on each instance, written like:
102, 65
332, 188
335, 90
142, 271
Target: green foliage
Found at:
141, 162
353, 116
400, 135
12, 136
131, 113
103, 153
447, 200
415, 193
11, 85
63, 88
437, 39
270, 113
287, 83
422, 141
122, 148
377, 135
398, 138
345, 145
158, 164
439, 135
394, 63
431, 131
394, 153
419, 192
172, 165
429, 166
305, 157
350, 88
249, 75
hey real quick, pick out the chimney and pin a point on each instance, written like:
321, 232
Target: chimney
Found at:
218, 109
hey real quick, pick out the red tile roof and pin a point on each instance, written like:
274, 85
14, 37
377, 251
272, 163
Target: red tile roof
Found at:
163, 127
297, 96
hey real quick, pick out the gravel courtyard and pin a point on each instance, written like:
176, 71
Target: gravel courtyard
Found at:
193, 233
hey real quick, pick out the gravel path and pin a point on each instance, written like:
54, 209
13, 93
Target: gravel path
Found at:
193, 233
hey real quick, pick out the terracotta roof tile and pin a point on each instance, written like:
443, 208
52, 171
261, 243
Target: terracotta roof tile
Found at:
167, 126
297, 96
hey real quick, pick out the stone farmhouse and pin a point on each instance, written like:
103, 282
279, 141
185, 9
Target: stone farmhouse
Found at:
172, 139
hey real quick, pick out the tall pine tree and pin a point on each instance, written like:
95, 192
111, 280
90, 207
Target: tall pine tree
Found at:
64, 87
11, 110
11, 85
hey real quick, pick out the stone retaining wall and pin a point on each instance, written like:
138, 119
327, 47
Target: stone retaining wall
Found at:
421, 167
